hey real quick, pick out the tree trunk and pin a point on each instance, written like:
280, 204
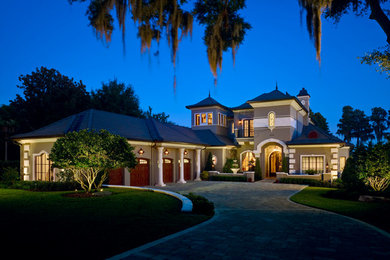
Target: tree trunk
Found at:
380, 17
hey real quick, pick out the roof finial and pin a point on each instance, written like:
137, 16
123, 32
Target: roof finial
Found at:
276, 85
209, 93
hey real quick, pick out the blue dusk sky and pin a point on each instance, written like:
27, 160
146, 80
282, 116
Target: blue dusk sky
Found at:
56, 35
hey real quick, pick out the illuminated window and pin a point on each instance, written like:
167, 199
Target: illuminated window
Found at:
224, 120
248, 128
343, 159
203, 118
210, 118
232, 127
43, 170
271, 120
197, 119
315, 163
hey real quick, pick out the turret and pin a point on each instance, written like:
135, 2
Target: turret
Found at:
304, 97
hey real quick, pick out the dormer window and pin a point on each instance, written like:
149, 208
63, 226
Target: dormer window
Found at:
271, 120
203, 119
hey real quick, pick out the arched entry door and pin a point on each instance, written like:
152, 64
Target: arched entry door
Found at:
167, 170
275, 163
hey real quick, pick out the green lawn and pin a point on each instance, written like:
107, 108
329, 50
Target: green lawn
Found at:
375, 213
49, 225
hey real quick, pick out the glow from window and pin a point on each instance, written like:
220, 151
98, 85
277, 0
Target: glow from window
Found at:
315, 163
203, 118
271, 120
210, 118
197, 119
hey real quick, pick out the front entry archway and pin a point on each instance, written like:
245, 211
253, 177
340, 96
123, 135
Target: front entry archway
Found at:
275, 163
273, 160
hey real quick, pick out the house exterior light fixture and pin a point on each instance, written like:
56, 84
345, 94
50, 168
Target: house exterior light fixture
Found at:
185, 152
141, 152
166, 152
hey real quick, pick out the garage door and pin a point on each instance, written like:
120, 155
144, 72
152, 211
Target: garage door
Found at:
168, 170
139, 176
115, 177
187, 169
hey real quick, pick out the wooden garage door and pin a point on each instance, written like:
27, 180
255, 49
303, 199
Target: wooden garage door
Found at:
115, 177
139, 176
168, 170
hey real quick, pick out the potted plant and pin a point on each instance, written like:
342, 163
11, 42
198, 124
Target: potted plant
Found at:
235, 167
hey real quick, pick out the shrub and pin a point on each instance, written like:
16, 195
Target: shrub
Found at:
204, 175
10, 175
227, 178
311, 172
209, 163
228, 166
42, 186
350, 177
285, 164
201, 205
309, 182
258, 174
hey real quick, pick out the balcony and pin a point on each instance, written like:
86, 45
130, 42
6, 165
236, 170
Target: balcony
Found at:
244, 133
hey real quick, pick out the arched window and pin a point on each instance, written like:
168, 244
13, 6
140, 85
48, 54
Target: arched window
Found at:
271, 120
42, 167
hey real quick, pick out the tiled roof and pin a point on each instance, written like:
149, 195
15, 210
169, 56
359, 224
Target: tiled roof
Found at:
270, 96
242, 106
208, 102
274, 96
132, 128
312, 134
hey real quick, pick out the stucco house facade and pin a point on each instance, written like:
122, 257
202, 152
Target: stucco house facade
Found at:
270, 127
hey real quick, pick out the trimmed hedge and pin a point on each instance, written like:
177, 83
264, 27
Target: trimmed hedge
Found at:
227, 178
201, 205
314, 183
41, 185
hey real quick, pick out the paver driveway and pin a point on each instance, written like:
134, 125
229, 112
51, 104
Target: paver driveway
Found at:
256, 220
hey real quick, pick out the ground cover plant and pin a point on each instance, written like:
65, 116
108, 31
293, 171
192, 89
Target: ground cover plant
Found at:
375, 213
50, 225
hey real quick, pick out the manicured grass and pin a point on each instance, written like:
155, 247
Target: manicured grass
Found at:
49, 225
375, 213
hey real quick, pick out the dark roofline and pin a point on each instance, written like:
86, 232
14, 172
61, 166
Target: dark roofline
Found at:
291, 98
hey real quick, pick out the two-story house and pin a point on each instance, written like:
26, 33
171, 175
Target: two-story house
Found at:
270, 127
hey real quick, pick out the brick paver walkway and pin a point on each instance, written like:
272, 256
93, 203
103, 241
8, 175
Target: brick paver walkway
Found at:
256, 221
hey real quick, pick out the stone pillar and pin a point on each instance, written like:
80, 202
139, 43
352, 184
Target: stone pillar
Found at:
160, 181
197, 165
181, 178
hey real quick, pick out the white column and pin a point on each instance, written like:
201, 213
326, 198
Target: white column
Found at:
160, 181
181, 178
197, 165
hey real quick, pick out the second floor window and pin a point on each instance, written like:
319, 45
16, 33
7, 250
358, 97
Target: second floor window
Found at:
210, 118
197, 119
248, 128
203, 118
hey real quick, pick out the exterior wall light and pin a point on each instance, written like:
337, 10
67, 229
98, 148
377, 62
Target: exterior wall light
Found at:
185, 152
166, 152
141, 152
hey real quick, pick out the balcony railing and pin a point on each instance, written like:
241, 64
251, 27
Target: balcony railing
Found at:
240, 133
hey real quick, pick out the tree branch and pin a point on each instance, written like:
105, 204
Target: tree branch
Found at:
380, 17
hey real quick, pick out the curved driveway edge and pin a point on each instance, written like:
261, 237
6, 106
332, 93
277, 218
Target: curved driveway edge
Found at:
257, 221
186, 203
